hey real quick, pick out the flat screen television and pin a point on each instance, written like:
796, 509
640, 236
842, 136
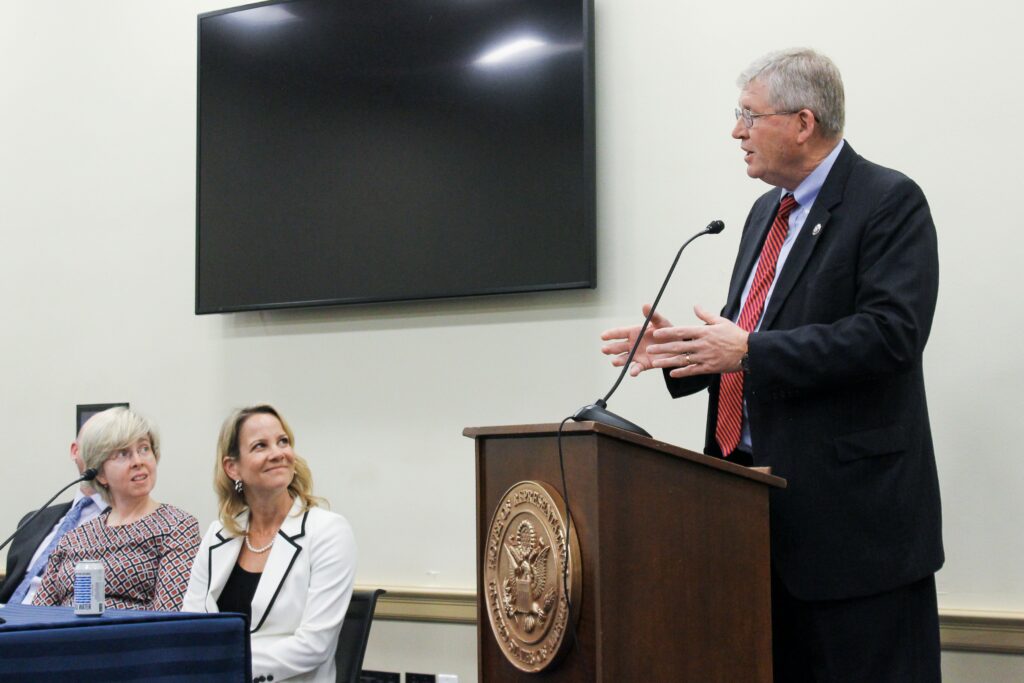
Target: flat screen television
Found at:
353, 151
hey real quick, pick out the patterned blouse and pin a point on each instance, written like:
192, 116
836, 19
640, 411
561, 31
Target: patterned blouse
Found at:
146, 563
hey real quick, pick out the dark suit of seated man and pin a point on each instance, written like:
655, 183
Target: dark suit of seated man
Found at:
815, 369
31, 548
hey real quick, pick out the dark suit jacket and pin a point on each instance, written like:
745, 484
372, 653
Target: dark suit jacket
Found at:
24, 546
835, 388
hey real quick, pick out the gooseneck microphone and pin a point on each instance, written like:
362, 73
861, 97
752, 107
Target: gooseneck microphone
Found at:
598, 410
87, 475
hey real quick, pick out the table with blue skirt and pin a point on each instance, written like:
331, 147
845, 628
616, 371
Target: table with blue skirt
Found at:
52, 643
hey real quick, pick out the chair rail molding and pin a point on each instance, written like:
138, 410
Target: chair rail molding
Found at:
962, 630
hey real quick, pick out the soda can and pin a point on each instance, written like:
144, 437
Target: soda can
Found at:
90, 588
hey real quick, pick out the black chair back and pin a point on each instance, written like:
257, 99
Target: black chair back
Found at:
355, 633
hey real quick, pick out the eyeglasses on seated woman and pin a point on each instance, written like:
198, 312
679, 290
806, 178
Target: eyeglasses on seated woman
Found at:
146, 547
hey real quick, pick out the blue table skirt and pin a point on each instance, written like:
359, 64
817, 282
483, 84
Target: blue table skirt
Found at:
51, 643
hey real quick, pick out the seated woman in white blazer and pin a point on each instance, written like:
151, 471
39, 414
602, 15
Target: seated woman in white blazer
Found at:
274, 554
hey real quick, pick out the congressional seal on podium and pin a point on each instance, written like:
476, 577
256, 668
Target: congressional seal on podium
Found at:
524, 561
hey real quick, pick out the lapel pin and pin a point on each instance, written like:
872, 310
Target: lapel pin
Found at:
816, 231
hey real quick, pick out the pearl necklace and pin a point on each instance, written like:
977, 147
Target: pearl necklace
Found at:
259, 550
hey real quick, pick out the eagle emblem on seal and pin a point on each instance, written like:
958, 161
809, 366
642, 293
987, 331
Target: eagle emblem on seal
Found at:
526, 597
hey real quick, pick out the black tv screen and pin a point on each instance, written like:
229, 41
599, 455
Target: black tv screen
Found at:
353, 151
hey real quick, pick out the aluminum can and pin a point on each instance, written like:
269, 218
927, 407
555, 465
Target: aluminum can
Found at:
90, 588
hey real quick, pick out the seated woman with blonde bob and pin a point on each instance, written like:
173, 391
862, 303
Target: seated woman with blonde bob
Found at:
146, 547
274, 555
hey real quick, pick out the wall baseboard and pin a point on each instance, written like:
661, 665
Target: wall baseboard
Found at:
962, 630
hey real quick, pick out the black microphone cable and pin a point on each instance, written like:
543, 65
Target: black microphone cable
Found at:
568, 539
597, 412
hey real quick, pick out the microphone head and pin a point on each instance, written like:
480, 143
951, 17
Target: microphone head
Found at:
89, 474
715, 227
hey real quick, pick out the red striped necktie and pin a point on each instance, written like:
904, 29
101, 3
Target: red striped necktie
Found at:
730, 395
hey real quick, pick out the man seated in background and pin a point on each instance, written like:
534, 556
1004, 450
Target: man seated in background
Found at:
31, 548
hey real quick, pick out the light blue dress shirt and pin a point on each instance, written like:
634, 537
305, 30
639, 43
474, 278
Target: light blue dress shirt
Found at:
804, 194
89, 513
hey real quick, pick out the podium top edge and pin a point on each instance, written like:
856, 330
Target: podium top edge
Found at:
585, 428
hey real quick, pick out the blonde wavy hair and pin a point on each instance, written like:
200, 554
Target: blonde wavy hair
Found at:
230, 502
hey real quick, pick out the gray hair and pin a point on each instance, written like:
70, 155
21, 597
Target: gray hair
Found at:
800, 78
111, 431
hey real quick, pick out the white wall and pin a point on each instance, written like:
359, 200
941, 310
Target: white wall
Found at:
97, 140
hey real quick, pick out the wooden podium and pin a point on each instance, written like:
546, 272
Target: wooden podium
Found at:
675, 555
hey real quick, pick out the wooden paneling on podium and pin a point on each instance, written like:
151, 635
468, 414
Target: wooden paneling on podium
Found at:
674, 555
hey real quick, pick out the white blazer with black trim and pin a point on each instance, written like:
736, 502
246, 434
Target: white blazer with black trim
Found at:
301, 598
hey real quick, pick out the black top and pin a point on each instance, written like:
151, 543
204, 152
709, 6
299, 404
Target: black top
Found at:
238, 591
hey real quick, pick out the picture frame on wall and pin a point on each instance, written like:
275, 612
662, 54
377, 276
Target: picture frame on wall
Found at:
83, 411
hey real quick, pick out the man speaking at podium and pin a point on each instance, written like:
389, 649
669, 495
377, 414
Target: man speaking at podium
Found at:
815, 369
